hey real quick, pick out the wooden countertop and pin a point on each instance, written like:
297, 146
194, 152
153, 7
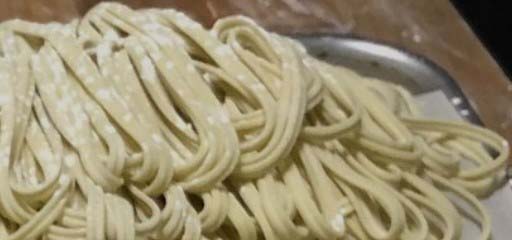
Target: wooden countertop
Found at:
432, 28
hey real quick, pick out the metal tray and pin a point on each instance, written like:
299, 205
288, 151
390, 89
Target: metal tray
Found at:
432, 87
416, 73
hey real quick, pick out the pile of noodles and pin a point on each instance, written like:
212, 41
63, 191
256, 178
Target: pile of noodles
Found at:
144, 125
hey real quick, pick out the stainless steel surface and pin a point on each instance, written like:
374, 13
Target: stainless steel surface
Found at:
416, 73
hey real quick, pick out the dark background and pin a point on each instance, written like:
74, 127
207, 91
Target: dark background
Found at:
491, 20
